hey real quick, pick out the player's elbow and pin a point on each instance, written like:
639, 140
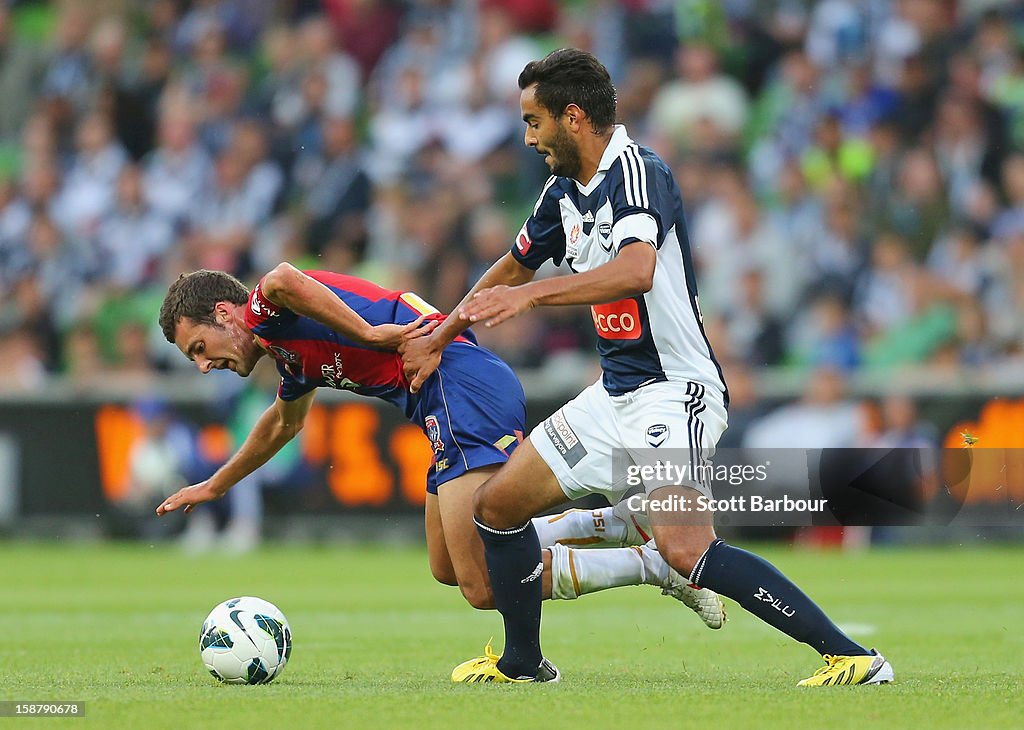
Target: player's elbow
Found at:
643, 281
636, 272
289, 429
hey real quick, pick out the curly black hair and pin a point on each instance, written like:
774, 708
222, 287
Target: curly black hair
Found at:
571, 76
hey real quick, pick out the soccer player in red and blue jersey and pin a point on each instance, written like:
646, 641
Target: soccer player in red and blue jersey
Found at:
330, 330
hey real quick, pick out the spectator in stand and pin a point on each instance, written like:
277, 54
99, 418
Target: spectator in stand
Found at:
700, 92
87, 193
20, 76
823, 418
1010, 219
222, 224
884, 294
783, 119
334, 189
179, 172
959, 260
824, 336
320, 52
919, 208
838, 256
133, 240
756, 334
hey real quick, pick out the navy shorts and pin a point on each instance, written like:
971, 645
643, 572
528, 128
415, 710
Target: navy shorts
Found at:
472, 409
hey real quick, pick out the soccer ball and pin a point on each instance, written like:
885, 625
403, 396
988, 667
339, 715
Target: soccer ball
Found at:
245, 641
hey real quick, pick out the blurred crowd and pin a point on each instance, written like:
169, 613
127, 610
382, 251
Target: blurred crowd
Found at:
852, 170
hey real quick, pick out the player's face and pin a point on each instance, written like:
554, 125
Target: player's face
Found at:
549, 136
221, 346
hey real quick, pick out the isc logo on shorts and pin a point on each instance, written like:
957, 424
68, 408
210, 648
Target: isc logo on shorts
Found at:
618, 320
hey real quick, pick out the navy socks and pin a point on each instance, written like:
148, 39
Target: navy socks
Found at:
515, 566
759, 587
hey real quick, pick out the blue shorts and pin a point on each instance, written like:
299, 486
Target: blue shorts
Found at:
473, 410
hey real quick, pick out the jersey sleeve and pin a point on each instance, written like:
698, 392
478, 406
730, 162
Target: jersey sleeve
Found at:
542, 236
637, 209
290, 389
263, 317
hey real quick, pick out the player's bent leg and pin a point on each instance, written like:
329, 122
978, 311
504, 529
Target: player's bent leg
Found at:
465, 550
761, 589
503, 506
437, 550
525, 486
464, 547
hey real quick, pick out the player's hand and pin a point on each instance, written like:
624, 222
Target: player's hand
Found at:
189, 497
497, 304
420, 358
391, 336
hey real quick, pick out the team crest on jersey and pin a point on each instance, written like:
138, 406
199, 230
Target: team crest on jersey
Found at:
604, 229
657, 434
259, 304
434, 433
282, 354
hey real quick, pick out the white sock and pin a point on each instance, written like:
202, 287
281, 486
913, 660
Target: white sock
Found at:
580, 527
577, 572
655, 567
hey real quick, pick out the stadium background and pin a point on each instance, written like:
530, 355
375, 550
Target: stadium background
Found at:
853, 174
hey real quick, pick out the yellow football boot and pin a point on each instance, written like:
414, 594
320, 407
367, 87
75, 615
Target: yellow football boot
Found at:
870, 669
485, 669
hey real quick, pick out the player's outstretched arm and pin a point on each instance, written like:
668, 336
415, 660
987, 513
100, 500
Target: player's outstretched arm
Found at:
421, 356
627, 275
277, 426
288, 287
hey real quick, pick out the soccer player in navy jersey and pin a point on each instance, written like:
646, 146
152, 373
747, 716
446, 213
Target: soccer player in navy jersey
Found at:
329, 330
612, 212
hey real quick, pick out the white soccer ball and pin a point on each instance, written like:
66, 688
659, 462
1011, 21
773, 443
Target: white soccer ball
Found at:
245, 641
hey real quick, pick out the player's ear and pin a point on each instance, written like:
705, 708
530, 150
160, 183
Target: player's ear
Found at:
575, 116
222, 312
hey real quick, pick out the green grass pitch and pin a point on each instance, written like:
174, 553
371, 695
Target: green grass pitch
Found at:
375, 639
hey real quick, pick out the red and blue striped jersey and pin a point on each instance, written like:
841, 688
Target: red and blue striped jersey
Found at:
311, 355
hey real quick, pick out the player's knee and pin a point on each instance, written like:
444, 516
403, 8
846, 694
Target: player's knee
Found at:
478, 595
683, 555
493, 511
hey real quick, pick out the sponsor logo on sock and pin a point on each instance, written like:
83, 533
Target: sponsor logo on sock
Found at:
535, 574
763, 595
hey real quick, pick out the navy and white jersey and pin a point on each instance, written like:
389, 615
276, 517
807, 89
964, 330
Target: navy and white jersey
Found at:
633, 198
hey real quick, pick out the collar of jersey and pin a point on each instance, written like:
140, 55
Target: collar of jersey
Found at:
618, 142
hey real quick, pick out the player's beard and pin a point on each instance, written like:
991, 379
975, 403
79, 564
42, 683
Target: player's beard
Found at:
565, 155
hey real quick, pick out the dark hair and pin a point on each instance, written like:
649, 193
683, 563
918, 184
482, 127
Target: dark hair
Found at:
195, 295
571, 76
